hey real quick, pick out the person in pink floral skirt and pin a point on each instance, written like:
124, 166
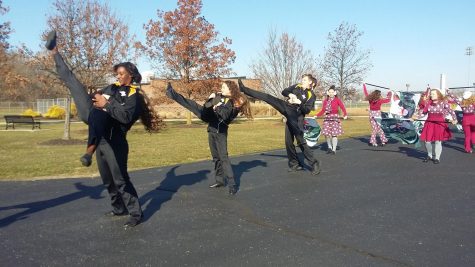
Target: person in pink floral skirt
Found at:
468, 122
375, 101
331, 122
435, 128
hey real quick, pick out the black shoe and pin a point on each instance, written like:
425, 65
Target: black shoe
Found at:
436, 161
333, 152
132, 222
216, 185
51, 40
426, 159
316, 168
295, 168
112, 214
241, 85
86, 160
169, 90
232, 190
329, 151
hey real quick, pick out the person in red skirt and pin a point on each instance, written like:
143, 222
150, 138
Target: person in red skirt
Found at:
375, 101
468, 122
435, 128
331, 122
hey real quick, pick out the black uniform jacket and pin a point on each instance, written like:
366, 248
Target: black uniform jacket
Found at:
305, 95
123, 105
219, 118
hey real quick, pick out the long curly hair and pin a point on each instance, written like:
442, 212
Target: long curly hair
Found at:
469, 101
148, 117
240, 100
374, 96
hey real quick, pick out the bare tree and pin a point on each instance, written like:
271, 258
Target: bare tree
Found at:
344, 64
282, 62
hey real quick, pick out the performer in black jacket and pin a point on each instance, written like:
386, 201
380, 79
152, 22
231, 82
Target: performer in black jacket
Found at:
301, 101
124, 106
219, 111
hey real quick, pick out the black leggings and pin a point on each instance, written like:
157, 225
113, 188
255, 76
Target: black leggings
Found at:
293, 126
78, 91
201, 112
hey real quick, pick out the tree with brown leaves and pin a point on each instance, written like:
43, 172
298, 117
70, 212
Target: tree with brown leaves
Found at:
185, 46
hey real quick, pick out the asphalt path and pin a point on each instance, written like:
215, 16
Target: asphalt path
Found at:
369, 207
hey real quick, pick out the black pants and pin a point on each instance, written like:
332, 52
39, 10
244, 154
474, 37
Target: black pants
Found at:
112, 162
111, 154
293, 126
218, 142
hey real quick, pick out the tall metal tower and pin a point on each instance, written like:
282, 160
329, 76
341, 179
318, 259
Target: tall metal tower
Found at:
469, 53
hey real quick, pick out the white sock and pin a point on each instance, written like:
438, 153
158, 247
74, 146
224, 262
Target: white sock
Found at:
429, 149
329, 142
438, 149
335, 142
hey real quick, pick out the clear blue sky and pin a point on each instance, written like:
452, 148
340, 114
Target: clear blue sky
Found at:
411, 41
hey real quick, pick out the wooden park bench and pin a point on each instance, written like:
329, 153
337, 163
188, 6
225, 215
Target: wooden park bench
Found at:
12, 119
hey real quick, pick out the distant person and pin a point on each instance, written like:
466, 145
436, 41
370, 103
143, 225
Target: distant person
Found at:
375, 101
331, 122
300, 101
468, 121
218, 111
125, 106
435, 128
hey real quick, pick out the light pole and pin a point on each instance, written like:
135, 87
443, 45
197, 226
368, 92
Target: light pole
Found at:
407, 87
469, 52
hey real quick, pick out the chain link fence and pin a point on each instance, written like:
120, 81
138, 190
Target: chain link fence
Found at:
41, 106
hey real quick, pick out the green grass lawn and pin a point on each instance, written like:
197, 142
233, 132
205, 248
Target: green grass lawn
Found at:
29, 154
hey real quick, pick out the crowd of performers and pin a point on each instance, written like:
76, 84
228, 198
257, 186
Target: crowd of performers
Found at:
112, 111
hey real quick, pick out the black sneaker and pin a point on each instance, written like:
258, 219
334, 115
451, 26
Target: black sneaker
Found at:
241, 85
169, 90
426, 159
232, 190
316, 168
132, 222
329, 151
51, 40
295, 168
86, 160
216, 185
436, 161
112, 214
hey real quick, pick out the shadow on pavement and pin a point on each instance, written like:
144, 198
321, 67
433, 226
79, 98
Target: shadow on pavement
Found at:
93, 192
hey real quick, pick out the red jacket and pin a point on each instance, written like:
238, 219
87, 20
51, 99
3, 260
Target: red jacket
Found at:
336, 103
376, 105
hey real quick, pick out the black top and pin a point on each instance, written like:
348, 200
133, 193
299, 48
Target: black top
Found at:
306, 96
123, 105
219, 118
